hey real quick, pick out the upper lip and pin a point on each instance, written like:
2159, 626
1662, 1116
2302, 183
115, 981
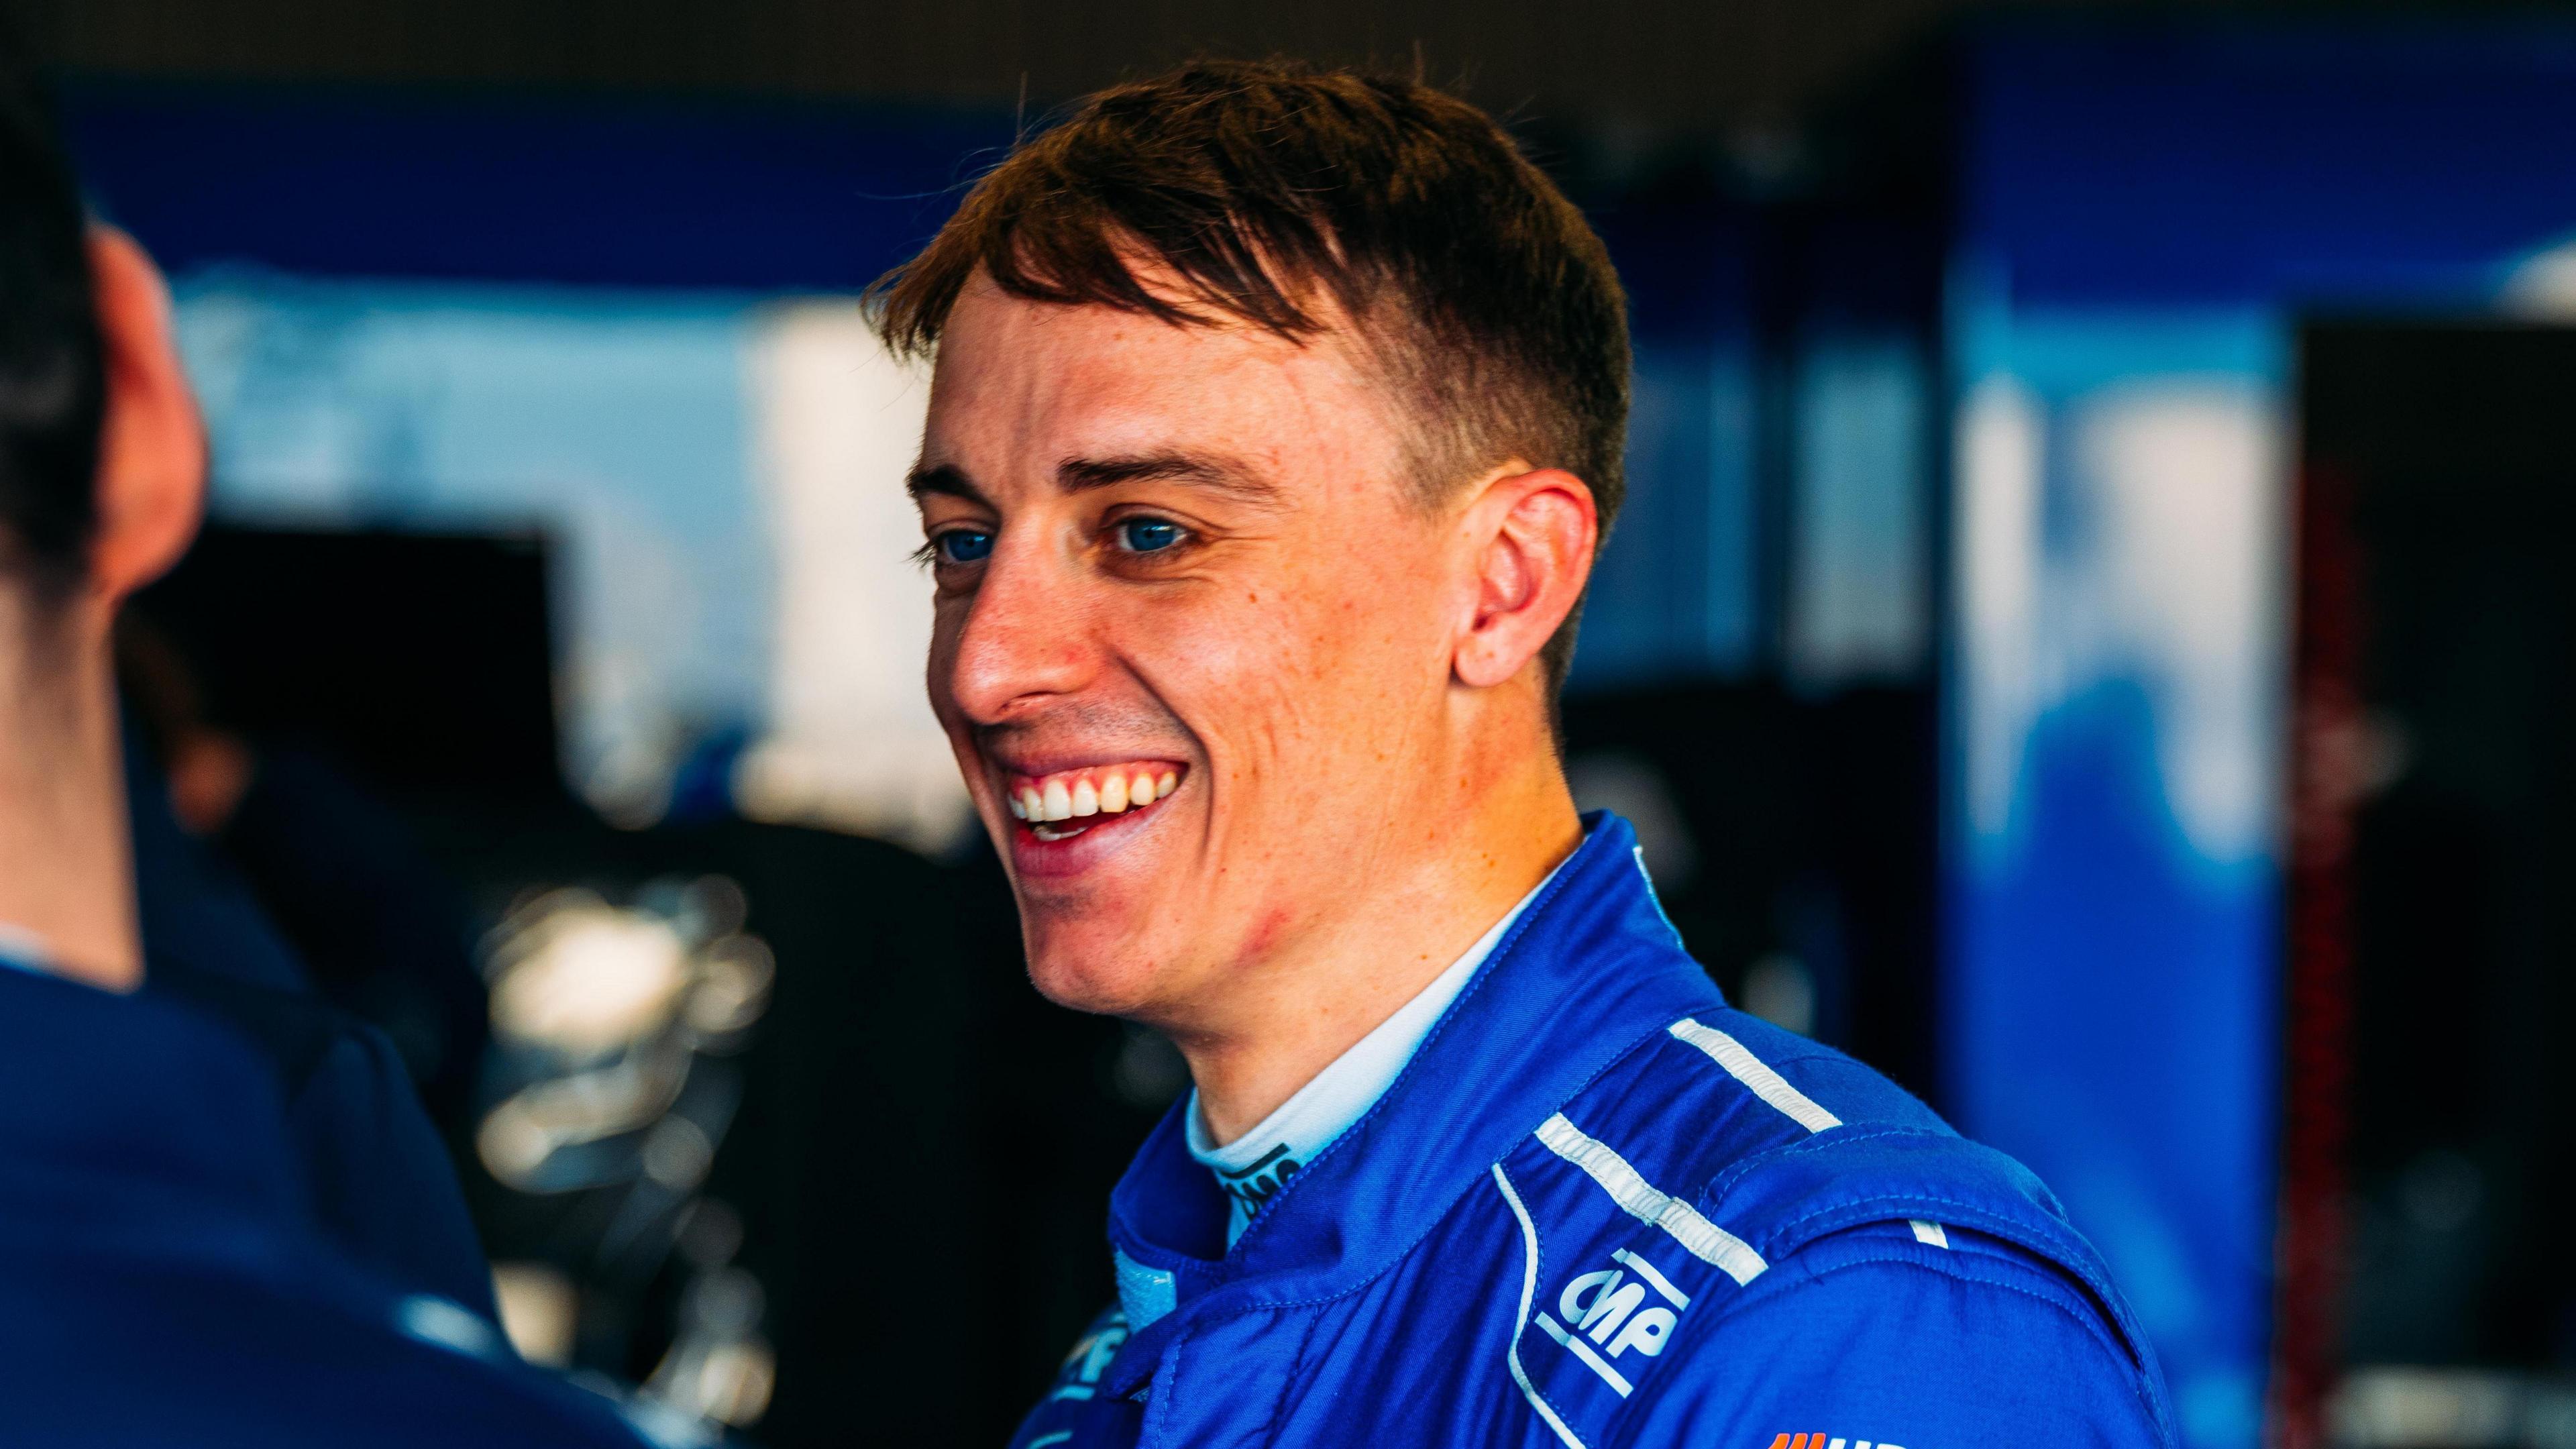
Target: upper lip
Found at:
1038, 766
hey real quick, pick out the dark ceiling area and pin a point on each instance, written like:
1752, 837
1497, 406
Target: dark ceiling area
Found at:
1708, 66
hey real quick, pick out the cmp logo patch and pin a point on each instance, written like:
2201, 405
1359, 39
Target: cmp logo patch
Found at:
1607, 1316
1819, 1441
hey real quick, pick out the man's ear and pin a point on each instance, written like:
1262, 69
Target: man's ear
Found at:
1533, 530
152, 448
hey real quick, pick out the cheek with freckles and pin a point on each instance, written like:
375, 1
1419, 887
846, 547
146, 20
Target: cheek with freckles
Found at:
1304, 691
1266, 675
1233, 670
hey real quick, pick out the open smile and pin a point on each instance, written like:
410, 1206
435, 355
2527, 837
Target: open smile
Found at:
1067, 803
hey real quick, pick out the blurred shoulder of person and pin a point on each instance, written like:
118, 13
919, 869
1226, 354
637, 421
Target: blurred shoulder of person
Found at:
165, 1273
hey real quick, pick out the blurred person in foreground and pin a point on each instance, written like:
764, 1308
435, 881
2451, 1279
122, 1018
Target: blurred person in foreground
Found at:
1274, 426
171, 1270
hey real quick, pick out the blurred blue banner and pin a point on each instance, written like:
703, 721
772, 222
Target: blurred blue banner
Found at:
2146, 211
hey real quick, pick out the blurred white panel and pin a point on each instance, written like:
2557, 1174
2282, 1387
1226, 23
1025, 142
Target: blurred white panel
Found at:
2001, 435
1859, 550
2185, 478
2135, 535
851, 742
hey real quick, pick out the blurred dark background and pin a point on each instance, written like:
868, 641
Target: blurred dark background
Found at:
2446, 448
2083, 639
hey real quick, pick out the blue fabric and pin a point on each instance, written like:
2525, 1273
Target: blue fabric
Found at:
377, 1181
1879, 1281
163, 1276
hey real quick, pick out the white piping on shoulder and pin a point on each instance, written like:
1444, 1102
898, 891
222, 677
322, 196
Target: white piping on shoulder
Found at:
1706, 1241
1749, 1069
1520, 1325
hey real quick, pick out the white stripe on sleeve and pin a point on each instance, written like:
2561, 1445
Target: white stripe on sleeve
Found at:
1747, 1068
1706, 1241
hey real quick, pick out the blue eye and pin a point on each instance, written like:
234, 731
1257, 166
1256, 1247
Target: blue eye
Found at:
1148, 535
964, 545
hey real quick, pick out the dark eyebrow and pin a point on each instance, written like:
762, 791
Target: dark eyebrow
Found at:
1216, 474
1076, 475
928, 478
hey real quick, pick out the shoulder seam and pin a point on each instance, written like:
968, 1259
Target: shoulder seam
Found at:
1978, 1214
1774, 1285
1898, 1202
1735, 1172
2089, 1321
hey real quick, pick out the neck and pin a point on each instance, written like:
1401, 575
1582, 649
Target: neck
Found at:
1291, 1015
66, 862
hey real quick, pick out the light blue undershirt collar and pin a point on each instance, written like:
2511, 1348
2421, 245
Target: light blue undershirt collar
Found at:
1254, 1166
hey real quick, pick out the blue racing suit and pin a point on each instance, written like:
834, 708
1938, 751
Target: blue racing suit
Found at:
1601, 1208
167, 1276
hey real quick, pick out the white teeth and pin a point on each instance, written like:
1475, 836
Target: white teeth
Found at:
1080, 794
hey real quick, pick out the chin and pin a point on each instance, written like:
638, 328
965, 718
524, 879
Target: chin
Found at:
1094, 966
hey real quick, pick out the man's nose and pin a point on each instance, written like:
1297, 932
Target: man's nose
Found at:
1025, 639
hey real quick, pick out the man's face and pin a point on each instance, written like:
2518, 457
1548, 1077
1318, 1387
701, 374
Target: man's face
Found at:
1184, 560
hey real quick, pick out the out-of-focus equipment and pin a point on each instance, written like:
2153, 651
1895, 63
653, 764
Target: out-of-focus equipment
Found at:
615, 1026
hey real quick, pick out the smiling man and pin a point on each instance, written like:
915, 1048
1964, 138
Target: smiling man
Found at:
1274, 428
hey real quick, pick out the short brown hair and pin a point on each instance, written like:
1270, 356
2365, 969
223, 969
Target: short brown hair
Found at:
1264, 188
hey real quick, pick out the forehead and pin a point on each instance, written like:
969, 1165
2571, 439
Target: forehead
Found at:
1020, 387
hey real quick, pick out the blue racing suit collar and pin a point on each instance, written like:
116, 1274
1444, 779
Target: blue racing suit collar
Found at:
1591, 969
